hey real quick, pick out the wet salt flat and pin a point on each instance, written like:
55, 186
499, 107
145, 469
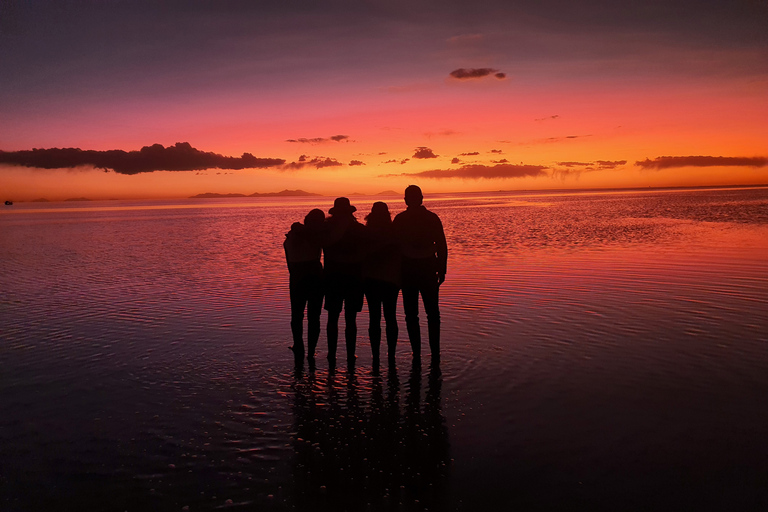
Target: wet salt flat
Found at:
601, 351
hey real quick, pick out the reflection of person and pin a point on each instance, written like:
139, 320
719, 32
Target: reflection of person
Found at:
343, 271
424, 260
381, 278
303, 244
370, 443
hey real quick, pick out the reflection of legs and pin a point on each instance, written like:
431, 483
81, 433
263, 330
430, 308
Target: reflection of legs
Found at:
314, 307
390, 318
332, 331
411, 309
350, 331
430, 295
298, 301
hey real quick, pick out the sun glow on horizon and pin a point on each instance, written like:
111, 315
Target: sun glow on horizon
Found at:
439, 107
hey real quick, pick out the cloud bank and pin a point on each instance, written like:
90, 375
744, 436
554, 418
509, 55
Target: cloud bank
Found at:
470, 73
320, 140
422, 152
476, 172
667, 162
597, 165
317, 162
179, 157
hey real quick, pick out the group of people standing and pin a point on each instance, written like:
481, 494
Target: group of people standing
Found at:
371, 261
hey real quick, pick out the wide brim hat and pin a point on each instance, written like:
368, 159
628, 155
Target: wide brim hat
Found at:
341, 205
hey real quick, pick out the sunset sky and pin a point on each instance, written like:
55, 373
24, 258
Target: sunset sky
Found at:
337, 97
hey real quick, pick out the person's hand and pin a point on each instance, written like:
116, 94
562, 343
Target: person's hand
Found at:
440, 278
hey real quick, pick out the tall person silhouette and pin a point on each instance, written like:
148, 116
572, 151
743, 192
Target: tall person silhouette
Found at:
381, 278
343, 251
424, 261
302, 245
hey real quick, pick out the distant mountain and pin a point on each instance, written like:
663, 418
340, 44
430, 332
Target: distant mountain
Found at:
283, 193
78, 199
40, 200
388, 193
211, 195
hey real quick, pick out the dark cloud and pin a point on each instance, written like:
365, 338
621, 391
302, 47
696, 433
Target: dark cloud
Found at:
179, 157
547, 118
390, 161
404, 161
574, 164
596, 165
469, 73
497, 151
423, 152
666, 162
476, 172
610, 164
473, 153
502, 161
455, 161
317, 162
320, 140
356, 162
576, 169
327, 162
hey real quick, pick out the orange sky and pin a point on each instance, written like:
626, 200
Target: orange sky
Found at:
580, 105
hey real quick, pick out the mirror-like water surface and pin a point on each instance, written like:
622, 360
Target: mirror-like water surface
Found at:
602, 351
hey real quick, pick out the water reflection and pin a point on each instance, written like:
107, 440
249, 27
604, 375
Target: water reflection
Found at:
363, 440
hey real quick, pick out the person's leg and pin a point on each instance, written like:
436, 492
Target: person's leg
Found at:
373, 297
430, 295
391, 293
298, 302
314, 308
334, 300
350, 329
353, 304
411, 309
332, 332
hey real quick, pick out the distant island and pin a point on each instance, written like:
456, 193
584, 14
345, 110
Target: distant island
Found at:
78, 199
282, 193
388, 193
209, 195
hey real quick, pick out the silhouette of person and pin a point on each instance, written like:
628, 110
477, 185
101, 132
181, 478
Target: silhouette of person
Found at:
424, 260
381, 278
302, 245
343, 250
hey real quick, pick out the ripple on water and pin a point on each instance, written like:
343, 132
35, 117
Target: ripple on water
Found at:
144, 359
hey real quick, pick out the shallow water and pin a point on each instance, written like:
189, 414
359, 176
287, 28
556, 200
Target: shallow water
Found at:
600, 350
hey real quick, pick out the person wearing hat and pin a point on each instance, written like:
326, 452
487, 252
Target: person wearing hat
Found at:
424, 260
302, 245
381, 278
343, 250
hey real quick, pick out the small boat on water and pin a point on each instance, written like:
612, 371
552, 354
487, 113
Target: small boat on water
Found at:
8, 203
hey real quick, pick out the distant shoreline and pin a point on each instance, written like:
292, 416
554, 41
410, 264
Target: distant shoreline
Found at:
390, 193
